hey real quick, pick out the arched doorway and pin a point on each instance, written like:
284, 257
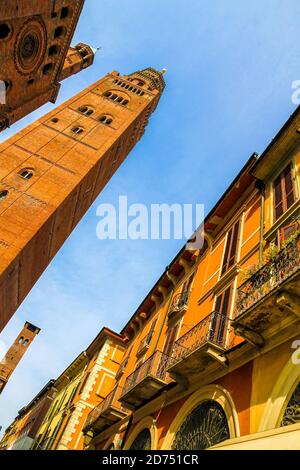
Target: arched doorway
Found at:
204, 427
142, 441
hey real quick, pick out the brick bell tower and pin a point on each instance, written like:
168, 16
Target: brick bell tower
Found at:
35, 53
53, 170
15, 353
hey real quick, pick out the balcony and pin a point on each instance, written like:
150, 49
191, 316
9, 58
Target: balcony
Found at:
107, 413
146, 381
179, 304
200, 348
269, 301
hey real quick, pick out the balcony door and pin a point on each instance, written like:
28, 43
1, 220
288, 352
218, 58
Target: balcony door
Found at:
217, 333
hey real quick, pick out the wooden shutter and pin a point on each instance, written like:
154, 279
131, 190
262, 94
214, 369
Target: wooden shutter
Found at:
289, 187
231, 247
151, 331
284, 193
218, 323
286, 232
278, 197
170, 340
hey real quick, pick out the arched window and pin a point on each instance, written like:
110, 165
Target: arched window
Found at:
55, 120
25, 342
21, 340
26, 174
65, 12
47, 68
204, 427
53, 50
59, 31
105, 119
3, 194
5, 31
116, 98
142, 441
292, 411
77, 130
86, 110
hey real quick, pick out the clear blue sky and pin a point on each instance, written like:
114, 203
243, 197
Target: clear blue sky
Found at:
230, 69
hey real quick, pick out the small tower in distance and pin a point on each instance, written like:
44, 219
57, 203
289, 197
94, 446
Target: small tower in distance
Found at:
15, 353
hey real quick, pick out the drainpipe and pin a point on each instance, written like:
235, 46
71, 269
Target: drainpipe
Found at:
260, 185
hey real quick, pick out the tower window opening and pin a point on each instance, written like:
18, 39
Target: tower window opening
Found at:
86, 110
107, 94
59, 31
53, 50
64, 13
4, 31
25, 342
21, 339
77, 130
105, 120
3, 194
124, 102
54, 120
47, 69
26, 174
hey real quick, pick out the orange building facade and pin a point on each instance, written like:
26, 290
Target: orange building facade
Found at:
210, 358
53, 170
36, 55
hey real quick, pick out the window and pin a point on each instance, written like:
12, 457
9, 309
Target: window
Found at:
77, 130
53, 50
5, 30
21, 340
47, 69
86, 110
151, 331
219, 317
286, 232
25, 342
54, 120
59, 31
231, 247
170, 340
64, 13
284, 192
26, 174
105, 120
142, 441
116, 98
3, 194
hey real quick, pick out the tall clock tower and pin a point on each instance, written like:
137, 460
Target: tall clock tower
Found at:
53, 170
35, 53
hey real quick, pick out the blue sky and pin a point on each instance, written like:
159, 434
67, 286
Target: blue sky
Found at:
230, 65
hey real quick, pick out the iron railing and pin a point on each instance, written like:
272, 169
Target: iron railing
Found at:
212, 328
155, 366
179, 302
269, 277
112, 400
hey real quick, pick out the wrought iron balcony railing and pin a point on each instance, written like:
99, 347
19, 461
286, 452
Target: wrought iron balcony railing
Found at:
155, 367
271, 276
179, 303
211, 330
109, 408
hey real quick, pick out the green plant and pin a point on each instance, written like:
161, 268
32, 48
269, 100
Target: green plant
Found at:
249, 272
271, 253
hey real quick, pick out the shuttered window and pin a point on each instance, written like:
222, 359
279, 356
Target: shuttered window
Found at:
219, 317
286, 232
231, 247
151, 331
284, 193
170, 340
